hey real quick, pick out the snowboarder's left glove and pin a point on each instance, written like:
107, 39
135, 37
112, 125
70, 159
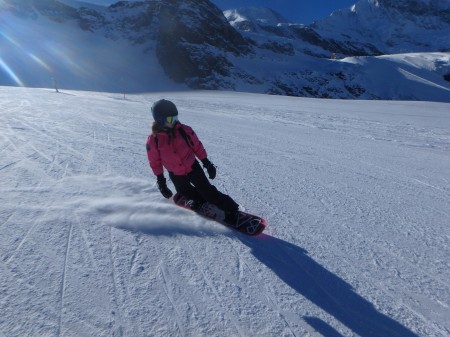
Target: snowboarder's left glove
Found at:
165, 191
210, 168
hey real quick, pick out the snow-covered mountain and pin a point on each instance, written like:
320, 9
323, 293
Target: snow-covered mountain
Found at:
369, 27
160, 45
356, 194
392, 26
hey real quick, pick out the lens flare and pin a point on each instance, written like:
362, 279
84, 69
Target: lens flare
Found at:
10, 73
40, 62
10, 39
30, 54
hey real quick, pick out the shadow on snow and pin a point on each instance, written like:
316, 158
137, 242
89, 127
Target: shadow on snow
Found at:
323, 288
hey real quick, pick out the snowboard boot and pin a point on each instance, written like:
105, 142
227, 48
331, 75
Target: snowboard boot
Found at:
231, 218
196, 205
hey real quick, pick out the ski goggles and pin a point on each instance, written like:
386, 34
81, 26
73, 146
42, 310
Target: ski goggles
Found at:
172, 119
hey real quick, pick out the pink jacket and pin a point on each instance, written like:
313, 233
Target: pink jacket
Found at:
173, 152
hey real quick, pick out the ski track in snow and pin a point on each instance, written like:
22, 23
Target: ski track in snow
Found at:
356, 194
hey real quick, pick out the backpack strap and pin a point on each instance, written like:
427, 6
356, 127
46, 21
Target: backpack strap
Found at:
183, 134
186, 137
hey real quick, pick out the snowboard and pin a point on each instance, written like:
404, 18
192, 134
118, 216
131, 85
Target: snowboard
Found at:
246, 223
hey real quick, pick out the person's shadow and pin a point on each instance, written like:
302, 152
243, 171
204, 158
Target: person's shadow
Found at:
323, 288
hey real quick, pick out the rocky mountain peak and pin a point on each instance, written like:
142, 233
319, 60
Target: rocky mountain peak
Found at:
261, 15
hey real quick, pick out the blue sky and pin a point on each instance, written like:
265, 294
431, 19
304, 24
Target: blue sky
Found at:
298, 11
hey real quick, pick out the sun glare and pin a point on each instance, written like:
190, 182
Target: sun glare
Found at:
8, 68
40, 62
10, 39
10, 73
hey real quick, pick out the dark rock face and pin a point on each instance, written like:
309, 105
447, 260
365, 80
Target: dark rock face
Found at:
194, 39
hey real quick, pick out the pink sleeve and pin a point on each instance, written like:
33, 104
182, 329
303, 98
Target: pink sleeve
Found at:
197, 145
153, 156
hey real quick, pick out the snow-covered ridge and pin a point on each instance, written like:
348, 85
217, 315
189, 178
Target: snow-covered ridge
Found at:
262, 15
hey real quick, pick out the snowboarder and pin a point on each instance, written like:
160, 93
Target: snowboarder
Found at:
175, 146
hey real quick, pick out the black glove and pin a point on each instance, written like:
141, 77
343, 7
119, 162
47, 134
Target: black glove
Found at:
210, 168
165, 191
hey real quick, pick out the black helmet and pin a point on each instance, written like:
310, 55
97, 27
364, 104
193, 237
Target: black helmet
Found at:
163, 109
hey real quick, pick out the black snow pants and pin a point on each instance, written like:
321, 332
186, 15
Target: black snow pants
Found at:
196, 186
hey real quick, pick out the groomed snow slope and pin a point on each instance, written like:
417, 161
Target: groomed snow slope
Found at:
356, 194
